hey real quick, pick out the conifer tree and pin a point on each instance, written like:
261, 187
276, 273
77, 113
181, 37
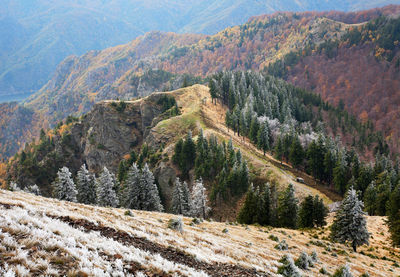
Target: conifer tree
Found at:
150, 198
370, 198
296, 153
247, 212
86, 186
106, 195
34, 189
64, 187
199, 200
320, 212
287, 208
254, 127
274, 206
340, 175
350, 224
264, 206
279, 150
188, 153
132, 188
394, 216
306, 217
181, 198
263, 138
213, 90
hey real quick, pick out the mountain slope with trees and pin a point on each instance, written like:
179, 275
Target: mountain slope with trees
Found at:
39, 35
165, 61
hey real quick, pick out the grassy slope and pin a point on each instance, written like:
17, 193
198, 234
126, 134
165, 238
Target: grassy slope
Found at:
33, 227
197, 110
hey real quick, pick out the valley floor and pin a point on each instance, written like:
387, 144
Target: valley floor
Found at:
42, 236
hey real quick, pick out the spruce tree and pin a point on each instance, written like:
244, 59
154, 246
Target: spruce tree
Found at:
287, 208
64, 187
350, 224
263, 138
247, 212
394, 216
370, 198
264, 206
320, 212
199, 200
306, 213
213, 90
106, 195
181, 198
296, 153
279, 150
132, 188
86, 186
149, 195
254, 127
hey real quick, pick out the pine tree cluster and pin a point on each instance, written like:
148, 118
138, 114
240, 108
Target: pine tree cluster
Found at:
138, 192
217, 163
288, 121
265, 207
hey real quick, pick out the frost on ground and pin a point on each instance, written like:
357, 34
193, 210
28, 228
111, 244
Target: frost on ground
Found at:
41, 236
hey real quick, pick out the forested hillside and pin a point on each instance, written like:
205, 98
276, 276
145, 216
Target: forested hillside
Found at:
39, 35
123, 72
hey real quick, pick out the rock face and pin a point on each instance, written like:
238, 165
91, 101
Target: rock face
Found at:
102, 137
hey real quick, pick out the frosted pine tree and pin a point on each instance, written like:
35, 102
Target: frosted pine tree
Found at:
150, 198
132, 188
34, 189
199, 200
350, 224
64, 187
106, 195
181, 198
86, 185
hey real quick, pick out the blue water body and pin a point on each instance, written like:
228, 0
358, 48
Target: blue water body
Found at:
14, 97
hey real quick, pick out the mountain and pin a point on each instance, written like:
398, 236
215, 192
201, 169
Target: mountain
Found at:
162, 61
36, 36
94, 240
110, 132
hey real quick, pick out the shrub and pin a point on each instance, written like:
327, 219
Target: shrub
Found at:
197, 220
314, 256
274, 238
304, 261
282, 245
288, 268
323, 271
176, 224
343, 271
225, 231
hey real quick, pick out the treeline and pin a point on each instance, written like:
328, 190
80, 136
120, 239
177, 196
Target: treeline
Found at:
137, 191
281, 119
264, 206
217, 163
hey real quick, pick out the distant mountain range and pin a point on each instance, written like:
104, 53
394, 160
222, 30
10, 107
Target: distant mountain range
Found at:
37, 35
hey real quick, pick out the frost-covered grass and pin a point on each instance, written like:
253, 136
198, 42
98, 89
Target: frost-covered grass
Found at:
27, 228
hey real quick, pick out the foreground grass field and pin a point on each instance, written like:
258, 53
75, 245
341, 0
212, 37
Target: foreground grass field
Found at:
41, 236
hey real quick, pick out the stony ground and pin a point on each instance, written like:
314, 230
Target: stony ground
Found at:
41, 236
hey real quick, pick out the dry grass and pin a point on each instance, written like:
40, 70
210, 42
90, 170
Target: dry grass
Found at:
247, 246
